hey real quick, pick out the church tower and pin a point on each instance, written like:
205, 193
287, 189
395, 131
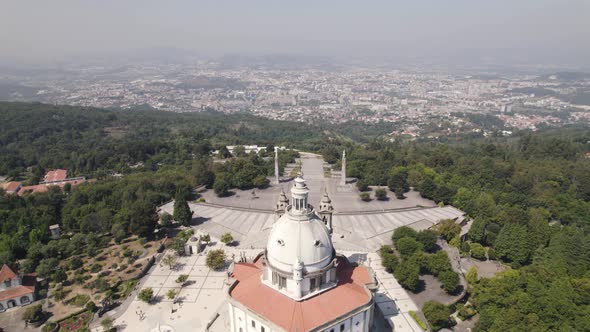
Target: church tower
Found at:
326, 210
300, 257
282, 204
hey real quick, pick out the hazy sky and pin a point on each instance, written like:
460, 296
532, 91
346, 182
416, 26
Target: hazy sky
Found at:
48, 29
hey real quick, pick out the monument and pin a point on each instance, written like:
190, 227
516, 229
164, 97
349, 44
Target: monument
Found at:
299, 282
276, 165
343, 176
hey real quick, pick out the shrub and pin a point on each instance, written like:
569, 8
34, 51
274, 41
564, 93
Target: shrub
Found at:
95, 268
107, 323
381, 194
182, 279
362, 185
466, 311
227, 238
91, 306
75, 263
50, 326
146, 295
471, 276
171, 294
477, 251
216, 259
418, 320
79, 300
365, 197
33, 313
437, 315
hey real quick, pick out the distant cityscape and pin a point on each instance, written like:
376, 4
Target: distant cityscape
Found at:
413, 103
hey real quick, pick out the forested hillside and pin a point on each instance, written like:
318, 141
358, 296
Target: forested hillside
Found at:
529, 195
530, 199
93, 142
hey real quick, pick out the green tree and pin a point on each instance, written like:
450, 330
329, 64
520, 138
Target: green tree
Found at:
428, 239
513, 244
170, 260
146, 295
477, 251
448, 229
477, 231
450, 281
438, 263
182, 212
407, 246
437, 315
221, 187
239, 151
407, 274
402, 232
398, 180
216, 259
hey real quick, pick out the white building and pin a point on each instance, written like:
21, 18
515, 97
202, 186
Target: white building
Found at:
15, 289
299, 283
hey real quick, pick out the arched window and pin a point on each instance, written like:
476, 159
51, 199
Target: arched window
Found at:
24, 300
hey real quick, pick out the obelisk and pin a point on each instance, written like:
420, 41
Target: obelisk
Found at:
343, 176
276, 165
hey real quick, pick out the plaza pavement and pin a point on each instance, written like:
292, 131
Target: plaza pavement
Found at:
198, 301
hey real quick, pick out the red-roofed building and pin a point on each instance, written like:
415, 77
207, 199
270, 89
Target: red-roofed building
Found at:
12, 187
299, 283
56, 175
15, 289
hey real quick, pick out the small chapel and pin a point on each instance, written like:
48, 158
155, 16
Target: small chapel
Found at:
299, 282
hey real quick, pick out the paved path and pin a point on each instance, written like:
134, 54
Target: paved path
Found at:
394, 302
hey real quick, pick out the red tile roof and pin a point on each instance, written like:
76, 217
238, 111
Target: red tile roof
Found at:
12, 186
28, 286
7, 273
56, 175
348, 295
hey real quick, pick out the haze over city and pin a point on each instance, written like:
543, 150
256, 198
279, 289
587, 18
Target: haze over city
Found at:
508, 32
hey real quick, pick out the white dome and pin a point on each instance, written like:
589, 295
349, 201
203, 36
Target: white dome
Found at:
299, 238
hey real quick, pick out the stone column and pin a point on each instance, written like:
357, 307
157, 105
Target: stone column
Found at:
343, 177
276, 165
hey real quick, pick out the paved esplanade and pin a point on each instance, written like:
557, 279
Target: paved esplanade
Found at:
359, 229
358, 225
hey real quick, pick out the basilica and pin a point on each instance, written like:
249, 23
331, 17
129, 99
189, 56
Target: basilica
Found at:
299, 282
